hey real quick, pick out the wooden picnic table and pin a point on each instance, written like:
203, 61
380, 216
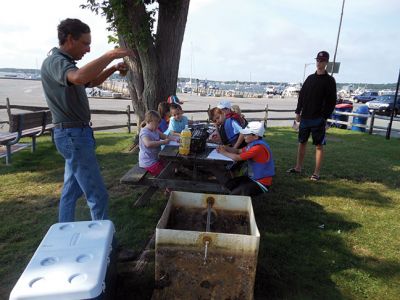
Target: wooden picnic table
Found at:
194, 172
207, 175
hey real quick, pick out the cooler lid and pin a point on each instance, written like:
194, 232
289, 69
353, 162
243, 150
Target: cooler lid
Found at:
70, 262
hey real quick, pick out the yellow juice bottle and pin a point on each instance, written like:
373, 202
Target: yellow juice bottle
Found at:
184, 145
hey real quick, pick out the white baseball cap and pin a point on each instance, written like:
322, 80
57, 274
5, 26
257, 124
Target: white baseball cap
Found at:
256, 128
224, 104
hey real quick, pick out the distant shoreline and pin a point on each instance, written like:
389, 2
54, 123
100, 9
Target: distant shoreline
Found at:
370, 86
16, 78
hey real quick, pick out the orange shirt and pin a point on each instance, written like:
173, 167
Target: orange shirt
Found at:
259, 154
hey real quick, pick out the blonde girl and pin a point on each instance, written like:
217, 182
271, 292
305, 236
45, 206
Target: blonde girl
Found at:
150, 141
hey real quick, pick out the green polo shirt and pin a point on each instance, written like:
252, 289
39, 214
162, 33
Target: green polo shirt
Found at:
67, 102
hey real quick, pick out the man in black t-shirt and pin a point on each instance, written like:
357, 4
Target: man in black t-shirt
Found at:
316, 102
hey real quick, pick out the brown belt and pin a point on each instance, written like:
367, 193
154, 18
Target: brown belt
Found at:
77, 124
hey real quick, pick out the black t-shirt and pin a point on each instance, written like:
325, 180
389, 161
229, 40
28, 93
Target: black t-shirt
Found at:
317, 97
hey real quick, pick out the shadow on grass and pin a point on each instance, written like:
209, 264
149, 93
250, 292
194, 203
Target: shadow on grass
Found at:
298, 258
301, 250
49, 164
346, 190
25, 220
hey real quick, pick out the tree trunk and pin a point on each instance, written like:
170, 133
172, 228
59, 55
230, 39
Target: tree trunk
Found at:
170, 31
153, 73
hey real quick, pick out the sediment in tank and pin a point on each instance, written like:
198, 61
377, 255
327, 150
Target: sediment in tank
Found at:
195, 261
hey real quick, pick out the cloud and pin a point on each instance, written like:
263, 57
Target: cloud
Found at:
273, 40
29, 33
231, 39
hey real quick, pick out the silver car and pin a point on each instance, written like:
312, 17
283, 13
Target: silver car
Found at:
384, 105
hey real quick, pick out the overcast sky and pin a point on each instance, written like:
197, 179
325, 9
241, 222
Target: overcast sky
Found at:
257, 40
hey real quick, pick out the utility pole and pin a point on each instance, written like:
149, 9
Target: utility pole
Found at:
337, 39
389, 129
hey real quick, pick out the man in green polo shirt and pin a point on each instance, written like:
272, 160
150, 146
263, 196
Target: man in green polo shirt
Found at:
64, 87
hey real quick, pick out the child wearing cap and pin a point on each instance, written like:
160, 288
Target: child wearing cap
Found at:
231, 112
225, 105
174, 99
261, 167
228, 128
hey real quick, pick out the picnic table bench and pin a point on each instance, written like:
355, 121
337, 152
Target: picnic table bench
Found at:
135, 176
192, 179
29, 124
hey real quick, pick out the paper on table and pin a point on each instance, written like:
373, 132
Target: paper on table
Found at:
212, 145
215, 155
173, 143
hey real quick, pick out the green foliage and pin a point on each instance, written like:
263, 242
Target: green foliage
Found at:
332, 239
117, 12
113, 39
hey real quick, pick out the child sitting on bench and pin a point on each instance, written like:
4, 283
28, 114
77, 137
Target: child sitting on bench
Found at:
163, 110
228, 129
258, 155
150, 141
178, 121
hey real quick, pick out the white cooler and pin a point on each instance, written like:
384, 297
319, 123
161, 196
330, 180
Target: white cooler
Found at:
71, 262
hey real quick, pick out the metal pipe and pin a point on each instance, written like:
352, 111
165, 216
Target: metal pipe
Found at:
208, 217
337, 39
206, 251
206, 240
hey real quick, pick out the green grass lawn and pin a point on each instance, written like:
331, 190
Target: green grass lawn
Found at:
338, 238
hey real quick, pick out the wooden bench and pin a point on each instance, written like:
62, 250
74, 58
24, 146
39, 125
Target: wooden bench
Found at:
30, 124
136, 176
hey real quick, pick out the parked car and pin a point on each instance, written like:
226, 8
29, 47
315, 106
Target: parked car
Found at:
340, 100
270, 90
279, 89
384, 105
365, 97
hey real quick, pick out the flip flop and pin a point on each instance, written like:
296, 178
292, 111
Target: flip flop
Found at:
314, 177
293, 171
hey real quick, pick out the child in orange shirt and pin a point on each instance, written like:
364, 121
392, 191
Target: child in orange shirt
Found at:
258, 155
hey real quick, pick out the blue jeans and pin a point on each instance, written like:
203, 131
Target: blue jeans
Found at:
81, 175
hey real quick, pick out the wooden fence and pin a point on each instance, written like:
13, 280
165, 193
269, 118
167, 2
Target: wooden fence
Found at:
129, 112
368, 124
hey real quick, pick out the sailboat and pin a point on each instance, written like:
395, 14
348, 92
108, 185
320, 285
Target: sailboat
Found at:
293, 89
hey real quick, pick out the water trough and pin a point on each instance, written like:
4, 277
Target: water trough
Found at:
206, 247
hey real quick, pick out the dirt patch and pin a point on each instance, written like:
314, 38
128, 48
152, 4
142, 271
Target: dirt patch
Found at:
195, 219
